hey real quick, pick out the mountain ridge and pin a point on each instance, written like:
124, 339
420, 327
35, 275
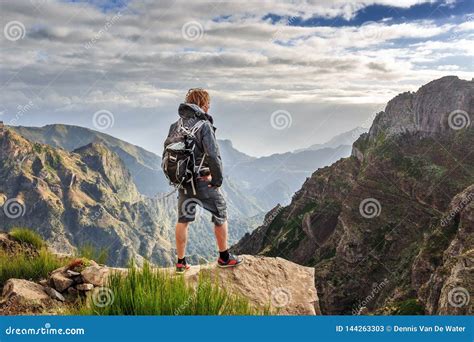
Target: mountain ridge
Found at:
372, 224
246, 176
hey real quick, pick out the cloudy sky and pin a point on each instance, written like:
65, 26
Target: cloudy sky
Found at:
282, 74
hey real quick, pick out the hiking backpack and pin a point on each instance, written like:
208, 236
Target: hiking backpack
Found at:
179, 163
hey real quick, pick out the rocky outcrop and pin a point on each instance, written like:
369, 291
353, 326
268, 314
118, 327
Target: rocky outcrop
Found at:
372, 225
436, 107
21, 296
273, 284
84, 198
444, 269
286, 287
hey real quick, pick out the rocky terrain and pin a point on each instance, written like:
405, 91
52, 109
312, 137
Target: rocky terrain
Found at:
74, 184
390, 229
284, 287
88, 197
251, 186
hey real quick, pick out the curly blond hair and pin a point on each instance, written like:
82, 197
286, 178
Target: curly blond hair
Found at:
198, 96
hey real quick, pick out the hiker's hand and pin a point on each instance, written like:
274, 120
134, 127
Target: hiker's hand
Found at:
207, 178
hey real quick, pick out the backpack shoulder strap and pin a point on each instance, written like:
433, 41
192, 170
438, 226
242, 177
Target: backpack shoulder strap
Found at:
197, 126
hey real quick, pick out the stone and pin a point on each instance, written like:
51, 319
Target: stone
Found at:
72, 273
60, 281
24, 297
24, 289
54, 294
59, 270
78, 279
95, 275
85, 287
288, 287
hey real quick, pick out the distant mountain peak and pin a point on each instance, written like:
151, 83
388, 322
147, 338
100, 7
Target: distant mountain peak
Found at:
345, 138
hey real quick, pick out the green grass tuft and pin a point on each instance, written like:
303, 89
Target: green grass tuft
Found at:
26, 235
88, 251
149, 291
24, 266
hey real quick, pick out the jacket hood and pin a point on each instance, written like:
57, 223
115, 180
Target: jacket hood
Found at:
191, 110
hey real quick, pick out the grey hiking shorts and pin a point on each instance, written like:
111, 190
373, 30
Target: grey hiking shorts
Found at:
210, 199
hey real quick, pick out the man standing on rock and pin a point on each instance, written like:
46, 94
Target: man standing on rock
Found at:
203, 186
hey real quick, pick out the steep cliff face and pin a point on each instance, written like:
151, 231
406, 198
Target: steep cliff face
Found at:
437, 107
74, 199
368, 223
443, 270
143, 165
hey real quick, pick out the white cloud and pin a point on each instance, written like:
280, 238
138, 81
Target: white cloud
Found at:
74, 58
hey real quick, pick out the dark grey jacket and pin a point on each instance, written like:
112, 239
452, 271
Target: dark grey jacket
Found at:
206, 142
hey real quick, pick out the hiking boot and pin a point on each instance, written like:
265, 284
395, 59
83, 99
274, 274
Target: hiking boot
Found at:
233, 261
181, 268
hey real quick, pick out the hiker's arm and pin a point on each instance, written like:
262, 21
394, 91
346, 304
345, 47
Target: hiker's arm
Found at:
209, 144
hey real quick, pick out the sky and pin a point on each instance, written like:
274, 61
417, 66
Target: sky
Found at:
282, 75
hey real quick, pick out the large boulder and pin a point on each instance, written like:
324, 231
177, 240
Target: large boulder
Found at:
25, 297
61, 281
95, 275
287, 287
